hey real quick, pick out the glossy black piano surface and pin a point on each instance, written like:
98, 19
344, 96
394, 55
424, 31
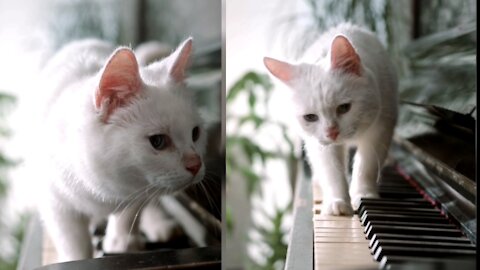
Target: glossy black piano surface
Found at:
183, 251
193, 258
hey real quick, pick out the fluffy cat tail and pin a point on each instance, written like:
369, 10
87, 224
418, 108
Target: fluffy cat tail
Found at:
151, 51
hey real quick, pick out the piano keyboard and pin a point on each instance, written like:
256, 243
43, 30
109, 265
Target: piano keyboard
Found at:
182, 251
402, 226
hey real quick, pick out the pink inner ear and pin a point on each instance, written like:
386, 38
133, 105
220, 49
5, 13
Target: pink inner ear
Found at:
344, 57
119, 83
282, 70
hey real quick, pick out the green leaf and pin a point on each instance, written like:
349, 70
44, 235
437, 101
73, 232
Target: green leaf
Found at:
428, 42
255, 119
252, 100
253, 180
248, 80
6, 97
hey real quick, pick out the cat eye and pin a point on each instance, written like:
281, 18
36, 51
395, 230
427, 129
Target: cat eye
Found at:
310, 117
343, 108
158, 141
195, 133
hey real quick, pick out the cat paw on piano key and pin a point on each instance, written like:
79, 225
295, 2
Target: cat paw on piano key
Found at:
356, 198
120, 243
336, 207
162, 230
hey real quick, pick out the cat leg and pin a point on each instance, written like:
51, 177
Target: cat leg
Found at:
69, 233
328, 165
122, 233
371, 153
157, 224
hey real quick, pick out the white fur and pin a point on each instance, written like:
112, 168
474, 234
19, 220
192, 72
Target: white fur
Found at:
93, 168
318, 89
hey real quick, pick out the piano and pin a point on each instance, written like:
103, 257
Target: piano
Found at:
425, 217
199, 247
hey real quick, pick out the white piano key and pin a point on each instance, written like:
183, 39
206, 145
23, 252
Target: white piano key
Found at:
352, 224
339, 241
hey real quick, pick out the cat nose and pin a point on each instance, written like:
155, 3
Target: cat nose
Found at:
192, 163
332, 132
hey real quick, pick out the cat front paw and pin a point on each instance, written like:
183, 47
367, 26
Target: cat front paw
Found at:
122, 243
359, 195
162, 230
336, 207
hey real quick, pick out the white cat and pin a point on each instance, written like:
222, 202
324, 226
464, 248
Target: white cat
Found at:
114, 135
344, 93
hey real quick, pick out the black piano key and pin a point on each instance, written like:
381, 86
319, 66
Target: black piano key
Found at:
403, 224
406, 210
410, 263
402, 217
405, 189
411, 224
399, 195
423, 244
374, 223
444, 239
420, 200
371, 202
413, 231
422, 252
399, 186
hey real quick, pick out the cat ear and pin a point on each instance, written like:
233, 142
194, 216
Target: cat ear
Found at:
282, 70
120, 81
179, 60
343, 56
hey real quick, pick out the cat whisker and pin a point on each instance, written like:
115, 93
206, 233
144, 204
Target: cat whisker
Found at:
210, 200
134, 194
212, 174
140, 196
148, 199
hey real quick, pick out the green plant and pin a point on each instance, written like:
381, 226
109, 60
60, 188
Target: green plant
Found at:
250, 85
244, 152
437, 68
10, 234
272, 235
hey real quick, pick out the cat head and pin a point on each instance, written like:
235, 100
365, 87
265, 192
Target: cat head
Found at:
333, 100
148, 131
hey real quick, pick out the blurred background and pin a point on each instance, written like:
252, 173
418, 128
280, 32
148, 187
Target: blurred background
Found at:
433, 45
31, 31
